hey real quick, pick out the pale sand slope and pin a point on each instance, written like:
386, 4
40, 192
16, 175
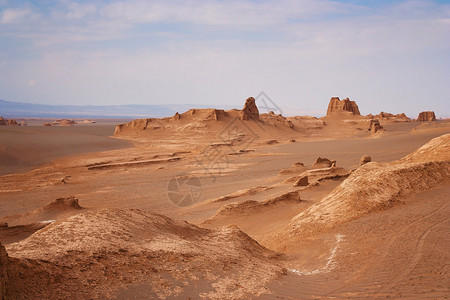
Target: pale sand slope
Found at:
25, 147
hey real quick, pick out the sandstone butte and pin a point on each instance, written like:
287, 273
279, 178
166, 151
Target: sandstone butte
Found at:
426, 116
250, 110
337, 105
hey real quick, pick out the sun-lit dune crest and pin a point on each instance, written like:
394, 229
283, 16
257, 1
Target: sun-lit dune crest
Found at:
438, 149
148, 250
374, 187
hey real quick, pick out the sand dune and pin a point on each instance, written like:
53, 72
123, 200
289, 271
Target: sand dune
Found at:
373, 187
124, 251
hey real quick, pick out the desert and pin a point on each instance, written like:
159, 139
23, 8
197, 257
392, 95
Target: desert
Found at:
224, 150
228, 204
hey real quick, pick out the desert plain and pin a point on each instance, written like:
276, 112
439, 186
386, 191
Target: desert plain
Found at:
236, 204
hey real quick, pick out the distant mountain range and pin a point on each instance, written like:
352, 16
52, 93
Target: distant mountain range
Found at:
10, 109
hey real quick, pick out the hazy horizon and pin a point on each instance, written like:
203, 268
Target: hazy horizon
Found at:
386, 56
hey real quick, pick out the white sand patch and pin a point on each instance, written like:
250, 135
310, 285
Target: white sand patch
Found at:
331, 262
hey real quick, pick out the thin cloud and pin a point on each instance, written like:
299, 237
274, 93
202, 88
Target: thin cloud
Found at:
14, 15
206, 51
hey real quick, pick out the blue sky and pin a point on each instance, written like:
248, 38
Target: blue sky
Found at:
387, 55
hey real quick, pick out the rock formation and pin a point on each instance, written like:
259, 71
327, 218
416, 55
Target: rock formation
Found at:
325, 173
426, 116
70, 202
277, 120
65, 122
13, 122
337, 105
176, 116
323, 163
365, 159
216, 114
389, 116
386, 183
3, 272
47, 124
4, 121
302, 181
250, 110
375, 126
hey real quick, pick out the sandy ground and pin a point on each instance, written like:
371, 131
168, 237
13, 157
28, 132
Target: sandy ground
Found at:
398, 252
25, 147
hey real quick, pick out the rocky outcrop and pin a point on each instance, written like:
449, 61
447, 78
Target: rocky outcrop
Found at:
345, 105
375, 126
325, 173
375, 187
250, 110
47, 124
389, 116
191, 120
4, 121
426, 116
302, 181
137, 125
372, 187
323, 163
67, 203
3, 272
65, 122
276, 119
365, 159
13, 122
176, 116
87, 122
216, 115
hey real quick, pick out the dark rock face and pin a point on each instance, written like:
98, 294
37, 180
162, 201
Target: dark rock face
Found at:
176, 116
302, 181
250, 110
426, 116
3, 272
337, 105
